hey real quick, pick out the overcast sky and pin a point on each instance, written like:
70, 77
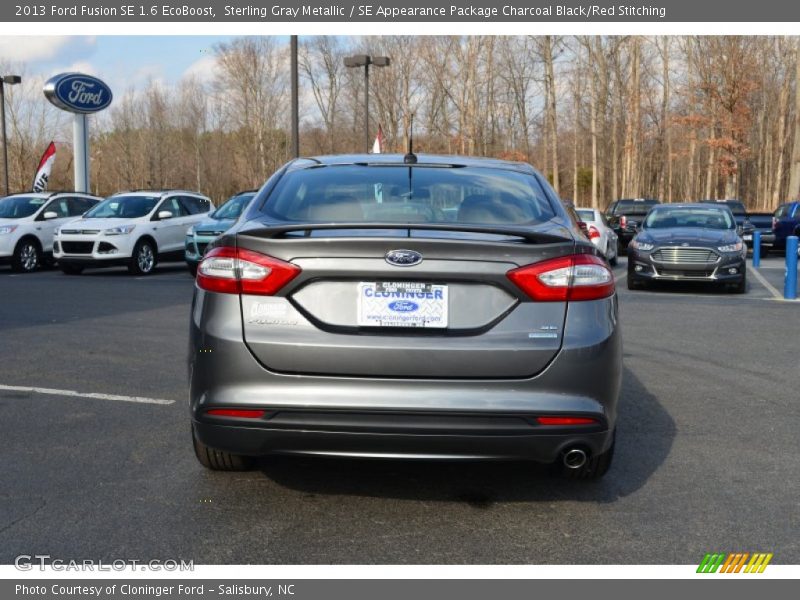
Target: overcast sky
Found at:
121, 61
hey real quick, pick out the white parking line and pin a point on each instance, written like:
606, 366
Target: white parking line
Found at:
621, 276
93, 395
777, 295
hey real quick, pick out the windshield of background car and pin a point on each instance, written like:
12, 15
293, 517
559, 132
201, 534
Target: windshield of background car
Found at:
633, 207
233, 208
123, 207
401, 194
586, 215
19, 207
700, 217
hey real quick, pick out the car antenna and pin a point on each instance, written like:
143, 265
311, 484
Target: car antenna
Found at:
410, 158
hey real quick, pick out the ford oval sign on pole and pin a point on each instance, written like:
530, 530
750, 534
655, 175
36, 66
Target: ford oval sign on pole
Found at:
80, 94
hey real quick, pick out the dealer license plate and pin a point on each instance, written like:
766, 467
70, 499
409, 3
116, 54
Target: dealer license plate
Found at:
402, 304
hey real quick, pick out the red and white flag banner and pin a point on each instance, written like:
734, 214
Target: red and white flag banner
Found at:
42, 176
377, 147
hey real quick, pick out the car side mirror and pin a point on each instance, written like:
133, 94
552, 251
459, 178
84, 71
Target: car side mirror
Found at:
164, 214
50, 215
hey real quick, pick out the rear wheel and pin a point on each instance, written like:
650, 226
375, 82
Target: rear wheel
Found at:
26, 256
144, 259
595, 466
70, 269
218, 460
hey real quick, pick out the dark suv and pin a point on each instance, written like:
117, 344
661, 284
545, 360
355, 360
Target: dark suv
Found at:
624, 215
785, 222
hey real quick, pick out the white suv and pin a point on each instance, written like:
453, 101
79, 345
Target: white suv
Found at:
27, 223
130, 228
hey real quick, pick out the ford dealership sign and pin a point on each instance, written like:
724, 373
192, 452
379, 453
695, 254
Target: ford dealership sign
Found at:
78, 93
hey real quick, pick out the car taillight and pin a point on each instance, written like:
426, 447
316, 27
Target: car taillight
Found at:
239, 413
575, 277
623, 221
566, 421
774, 224
230, 270
593, 232
584, 228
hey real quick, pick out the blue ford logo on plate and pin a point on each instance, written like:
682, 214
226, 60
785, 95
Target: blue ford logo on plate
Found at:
78, 93
403, 258
404, 306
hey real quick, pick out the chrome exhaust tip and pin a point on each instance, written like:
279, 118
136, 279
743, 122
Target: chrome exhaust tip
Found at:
574, 458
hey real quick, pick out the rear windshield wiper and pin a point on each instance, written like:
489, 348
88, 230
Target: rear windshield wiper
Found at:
527, 234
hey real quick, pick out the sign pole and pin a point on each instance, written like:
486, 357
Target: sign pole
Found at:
80, 149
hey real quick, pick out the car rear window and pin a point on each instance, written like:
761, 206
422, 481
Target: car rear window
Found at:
402, 194
737, 208
634, 207
585, 215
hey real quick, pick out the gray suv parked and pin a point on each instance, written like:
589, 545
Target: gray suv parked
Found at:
435, 307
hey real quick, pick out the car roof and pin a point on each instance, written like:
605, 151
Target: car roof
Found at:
150, 193
422, 161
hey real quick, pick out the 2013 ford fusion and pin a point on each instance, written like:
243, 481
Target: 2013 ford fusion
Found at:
688, 242
426, 307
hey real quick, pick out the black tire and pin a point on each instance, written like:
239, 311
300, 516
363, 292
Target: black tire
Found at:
741, 287
27, 256
764, 251
614, 261
594, 468
70, 269
218, 460
633, 280
192, 268
144, 259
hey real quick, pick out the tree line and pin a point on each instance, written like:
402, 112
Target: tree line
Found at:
603, 117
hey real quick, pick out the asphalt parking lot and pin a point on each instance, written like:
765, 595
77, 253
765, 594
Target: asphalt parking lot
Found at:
708, 455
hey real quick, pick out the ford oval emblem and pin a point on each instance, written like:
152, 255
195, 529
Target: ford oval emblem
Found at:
403, 306
78, 93
403, 258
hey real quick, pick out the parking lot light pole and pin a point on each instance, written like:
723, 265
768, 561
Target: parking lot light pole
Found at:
365, 60
10, 80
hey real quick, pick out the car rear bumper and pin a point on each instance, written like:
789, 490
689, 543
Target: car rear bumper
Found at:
372, 442
767, 239
385, 417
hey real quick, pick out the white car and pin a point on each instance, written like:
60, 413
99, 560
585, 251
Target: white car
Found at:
27, 223
134, 229
602, 236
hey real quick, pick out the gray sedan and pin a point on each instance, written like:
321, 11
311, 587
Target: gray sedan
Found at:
425, 307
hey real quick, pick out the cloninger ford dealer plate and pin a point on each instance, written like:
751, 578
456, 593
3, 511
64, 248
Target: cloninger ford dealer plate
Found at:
402, 304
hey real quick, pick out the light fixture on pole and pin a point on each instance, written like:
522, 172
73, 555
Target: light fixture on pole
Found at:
365, 60
6, 80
